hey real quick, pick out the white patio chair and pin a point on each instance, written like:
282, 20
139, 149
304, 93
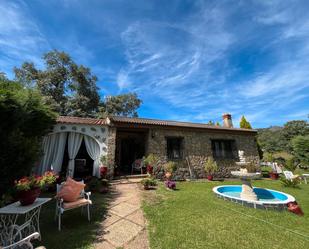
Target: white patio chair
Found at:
62, 206
137, 165
25, 243
290, 176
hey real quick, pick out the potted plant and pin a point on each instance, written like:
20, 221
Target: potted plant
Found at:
210, 168
148, 183
104, 186
274, 175
50, 180
266, 170
169, 168
149, 162
170, 184
103, 168
29, 188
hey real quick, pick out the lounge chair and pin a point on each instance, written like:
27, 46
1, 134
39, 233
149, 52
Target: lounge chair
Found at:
290, 176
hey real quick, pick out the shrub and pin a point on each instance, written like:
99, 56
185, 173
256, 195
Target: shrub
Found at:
301, 149
170, 184
149, 182
24, 120
151, 159
268, 157
170, 167
210, 166
265, 170
293, 183
290, 164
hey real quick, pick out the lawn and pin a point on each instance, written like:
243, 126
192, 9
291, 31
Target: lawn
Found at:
193, 217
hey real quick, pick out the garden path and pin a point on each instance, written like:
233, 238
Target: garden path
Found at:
124, 225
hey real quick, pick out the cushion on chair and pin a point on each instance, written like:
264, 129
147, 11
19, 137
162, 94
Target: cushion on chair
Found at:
70, 190
78, 203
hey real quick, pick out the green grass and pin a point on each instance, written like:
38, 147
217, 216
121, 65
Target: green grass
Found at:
193, 217
76, 231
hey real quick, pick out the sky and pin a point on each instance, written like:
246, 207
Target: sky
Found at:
188, 60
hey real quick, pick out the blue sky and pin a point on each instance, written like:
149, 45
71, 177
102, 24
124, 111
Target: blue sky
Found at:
187, 60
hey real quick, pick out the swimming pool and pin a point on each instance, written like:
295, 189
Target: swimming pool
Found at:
267, 198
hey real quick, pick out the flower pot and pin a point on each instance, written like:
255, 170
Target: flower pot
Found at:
146, 187
149, 169
168, 175
103, 171
210, 177
274, 176
27, 197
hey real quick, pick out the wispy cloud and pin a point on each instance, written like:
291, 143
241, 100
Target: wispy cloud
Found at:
188, 61
20, 37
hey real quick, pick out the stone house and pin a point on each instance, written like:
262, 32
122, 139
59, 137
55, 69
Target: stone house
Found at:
188, 144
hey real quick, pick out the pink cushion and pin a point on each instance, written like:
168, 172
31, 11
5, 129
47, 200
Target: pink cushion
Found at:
71, 190
78, 203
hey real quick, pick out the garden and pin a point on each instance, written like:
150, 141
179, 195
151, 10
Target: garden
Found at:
193, 217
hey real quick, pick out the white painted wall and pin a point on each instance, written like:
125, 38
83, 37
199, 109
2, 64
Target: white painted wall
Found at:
97, 132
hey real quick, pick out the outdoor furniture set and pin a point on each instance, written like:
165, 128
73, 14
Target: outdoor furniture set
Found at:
20, 224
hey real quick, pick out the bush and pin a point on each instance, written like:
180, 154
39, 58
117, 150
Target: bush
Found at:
210, 166
265, 170
300, 146
24, 120
149, 182
290, 164
293, 183
170, 167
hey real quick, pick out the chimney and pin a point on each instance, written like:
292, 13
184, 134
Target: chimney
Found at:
227, 120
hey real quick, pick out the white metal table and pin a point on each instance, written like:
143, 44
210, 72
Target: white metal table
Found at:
305, 176
10, 230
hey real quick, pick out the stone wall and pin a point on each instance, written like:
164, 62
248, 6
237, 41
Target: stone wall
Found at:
196, 150
111, 144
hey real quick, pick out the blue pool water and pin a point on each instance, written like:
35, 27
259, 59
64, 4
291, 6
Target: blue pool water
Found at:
262, 194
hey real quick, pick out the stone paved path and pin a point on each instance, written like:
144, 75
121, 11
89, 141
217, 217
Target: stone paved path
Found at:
124, 225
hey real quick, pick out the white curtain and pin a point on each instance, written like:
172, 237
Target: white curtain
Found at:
60, 141
93, 150
74, 142
48, 150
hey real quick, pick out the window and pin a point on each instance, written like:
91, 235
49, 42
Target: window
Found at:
174, 147
223, 149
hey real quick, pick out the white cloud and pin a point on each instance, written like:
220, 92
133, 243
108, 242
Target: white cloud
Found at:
20, 37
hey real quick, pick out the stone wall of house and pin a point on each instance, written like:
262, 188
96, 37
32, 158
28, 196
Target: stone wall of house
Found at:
111, 144
196, 150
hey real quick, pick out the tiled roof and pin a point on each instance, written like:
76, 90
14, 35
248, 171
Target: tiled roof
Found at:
78, 120
156, 122
144, 121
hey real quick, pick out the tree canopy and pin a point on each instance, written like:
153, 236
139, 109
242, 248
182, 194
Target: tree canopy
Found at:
121, 105
300, 145
70, 89
244, 123
24, 120
281, 139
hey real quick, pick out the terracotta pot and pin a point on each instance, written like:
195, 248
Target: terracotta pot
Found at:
146, 187
29, 196
274, 176
103, 171
210, 177
168, 175
149, 169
